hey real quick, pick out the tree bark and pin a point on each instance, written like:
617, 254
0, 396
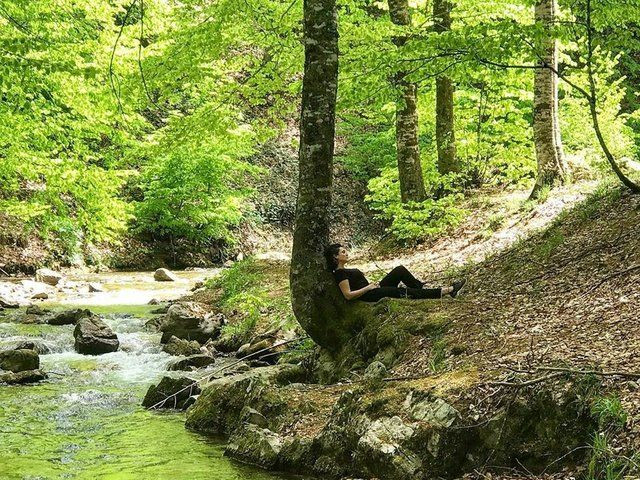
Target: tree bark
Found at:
314, 295
546, 129
445, 131
408, 151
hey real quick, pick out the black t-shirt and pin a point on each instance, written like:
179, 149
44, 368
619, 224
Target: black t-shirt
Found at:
356, 278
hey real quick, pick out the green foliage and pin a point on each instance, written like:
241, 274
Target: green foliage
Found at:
438, 355
192, 190
609, 412
254, 295
414, 221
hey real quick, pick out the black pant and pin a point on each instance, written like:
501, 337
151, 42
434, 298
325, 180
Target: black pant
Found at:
389, 287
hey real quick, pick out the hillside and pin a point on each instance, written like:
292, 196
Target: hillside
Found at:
564, 297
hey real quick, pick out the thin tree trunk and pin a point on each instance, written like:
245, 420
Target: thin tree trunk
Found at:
445, 131
593, 109
312, 288
408, 151
546, 129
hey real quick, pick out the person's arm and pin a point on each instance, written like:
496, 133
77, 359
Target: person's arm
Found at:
351, 294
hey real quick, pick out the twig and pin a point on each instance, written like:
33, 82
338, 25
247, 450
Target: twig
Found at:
528, 382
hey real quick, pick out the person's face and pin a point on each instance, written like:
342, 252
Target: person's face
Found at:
343, 255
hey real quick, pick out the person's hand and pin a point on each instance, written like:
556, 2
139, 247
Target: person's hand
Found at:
373, 285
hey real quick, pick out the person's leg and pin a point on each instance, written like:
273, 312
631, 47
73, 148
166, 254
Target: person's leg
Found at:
383, 292
400, 274
419, 293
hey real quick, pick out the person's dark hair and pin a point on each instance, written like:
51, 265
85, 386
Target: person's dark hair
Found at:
330, 254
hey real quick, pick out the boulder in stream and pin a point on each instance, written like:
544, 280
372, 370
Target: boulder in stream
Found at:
192, 362
94, 337
189, 320
178, 346
48, 276
36, 310
95, 287
69, 317
28, 376
19, 360
164, 275
40, 347
178, 392
8, 303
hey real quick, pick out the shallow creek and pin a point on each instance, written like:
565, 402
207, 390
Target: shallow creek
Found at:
85, 421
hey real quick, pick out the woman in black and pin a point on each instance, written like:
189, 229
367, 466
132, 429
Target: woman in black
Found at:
354, 284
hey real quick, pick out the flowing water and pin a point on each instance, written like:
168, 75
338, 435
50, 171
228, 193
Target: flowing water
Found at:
85, 421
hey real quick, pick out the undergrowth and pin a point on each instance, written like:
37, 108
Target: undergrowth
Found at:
254, 297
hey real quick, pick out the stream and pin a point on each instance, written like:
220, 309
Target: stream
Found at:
85, 421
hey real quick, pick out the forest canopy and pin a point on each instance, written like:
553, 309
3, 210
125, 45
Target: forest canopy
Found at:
146, 117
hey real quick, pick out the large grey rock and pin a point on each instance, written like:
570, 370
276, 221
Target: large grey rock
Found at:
255, 445
435, 411
19, 360
190, 321
172, 393
380, 450
39, 347
192, 362
28, 376
219, 409
94, 337
6, 302
164, 275
69, 317
178, 346
375, 371
48, 276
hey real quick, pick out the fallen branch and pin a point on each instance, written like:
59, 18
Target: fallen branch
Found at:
528, 382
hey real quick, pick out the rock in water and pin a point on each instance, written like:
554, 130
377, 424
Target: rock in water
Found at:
48, 276
189, 320
94, 337
36, 310
69, 317
95, 288
183, 388
40, 347
8, 303
19, 360
164, 275
194, 361
178, 346
28, 376
255, 445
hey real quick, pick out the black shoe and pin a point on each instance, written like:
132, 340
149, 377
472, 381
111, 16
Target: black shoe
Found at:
457, 286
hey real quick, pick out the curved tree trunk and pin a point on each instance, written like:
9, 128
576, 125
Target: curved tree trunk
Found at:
445, 131
546, 129
315, 299
408, 151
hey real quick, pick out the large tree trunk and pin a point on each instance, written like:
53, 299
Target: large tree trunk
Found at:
546, 129
315, 298
408, 151
445, 132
